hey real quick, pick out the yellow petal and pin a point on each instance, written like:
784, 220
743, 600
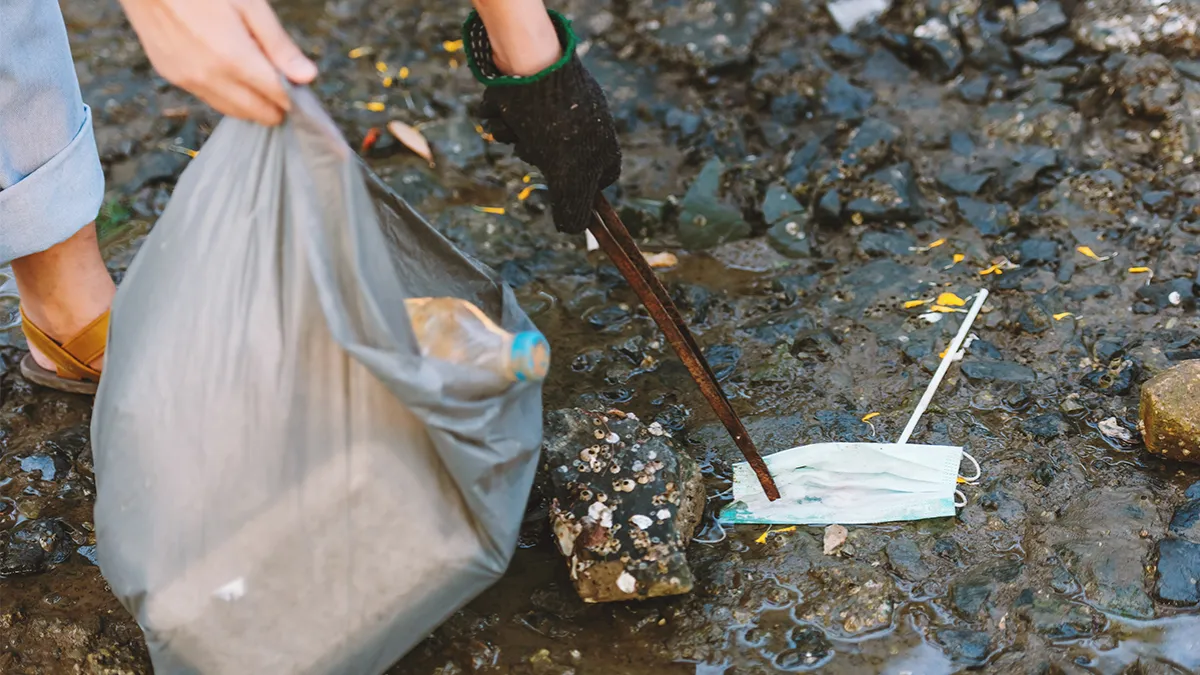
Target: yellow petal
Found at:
494, 210
359, 52
950, 300
661, 260
381, 66
870, 416
526, 178
994, 269
404, 72
916, 303
412, 139
452, 45
762, 538
453, 64
376, 106
1087, 250
528, 190
958, 257
1138, 270
943, 309
937, 243
1062, 315
387, 81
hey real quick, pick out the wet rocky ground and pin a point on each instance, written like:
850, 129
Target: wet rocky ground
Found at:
811, 183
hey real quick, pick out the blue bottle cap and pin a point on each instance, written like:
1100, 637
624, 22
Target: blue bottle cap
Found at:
530, 356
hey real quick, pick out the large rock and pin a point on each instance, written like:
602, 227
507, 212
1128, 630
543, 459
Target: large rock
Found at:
1170, 413
625, 503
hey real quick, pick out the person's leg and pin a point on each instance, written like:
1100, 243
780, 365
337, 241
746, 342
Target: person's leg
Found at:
51, 182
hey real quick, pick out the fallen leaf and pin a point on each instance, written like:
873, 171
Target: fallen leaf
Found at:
935, 244
359, 52
994, 269
1062, 315
944, 309
950, 300
370, 139
870, 416
1138, 270
1087, 250
661, 260
916, 303
835, 536
958, 257
494, 210
412, 139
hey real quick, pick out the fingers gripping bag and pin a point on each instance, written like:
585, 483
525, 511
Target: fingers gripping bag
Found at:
285, 485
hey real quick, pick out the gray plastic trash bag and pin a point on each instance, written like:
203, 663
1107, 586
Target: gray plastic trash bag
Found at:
284, 484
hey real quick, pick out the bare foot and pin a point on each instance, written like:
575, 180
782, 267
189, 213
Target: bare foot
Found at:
64, 288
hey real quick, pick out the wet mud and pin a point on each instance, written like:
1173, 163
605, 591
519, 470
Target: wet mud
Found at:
811, 184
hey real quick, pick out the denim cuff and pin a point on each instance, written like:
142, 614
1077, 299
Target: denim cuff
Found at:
56, 200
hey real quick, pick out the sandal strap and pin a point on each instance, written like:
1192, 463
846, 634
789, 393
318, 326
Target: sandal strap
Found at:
71, 358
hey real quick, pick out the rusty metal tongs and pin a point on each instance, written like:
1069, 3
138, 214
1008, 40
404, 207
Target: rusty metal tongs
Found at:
615, 241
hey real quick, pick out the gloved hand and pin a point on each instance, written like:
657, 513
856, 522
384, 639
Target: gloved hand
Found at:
556, 120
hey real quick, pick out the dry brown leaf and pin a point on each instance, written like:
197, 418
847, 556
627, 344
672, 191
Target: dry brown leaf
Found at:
412, 139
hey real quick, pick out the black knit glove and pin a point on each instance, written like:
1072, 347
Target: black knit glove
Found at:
556, 120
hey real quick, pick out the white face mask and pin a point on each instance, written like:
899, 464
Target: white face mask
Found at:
850, 483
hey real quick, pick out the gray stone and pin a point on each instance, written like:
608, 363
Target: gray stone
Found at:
1060, 619
905, 559
705, 219
1170, 413
1178, 572
1047, 16
625, 503
966, 646
989, 370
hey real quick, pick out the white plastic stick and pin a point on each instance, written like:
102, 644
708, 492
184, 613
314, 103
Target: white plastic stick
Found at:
951, 351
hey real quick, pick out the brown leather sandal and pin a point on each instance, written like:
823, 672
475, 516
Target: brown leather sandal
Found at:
72, 373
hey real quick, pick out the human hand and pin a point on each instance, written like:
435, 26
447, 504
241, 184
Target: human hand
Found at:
557, 120
228, 53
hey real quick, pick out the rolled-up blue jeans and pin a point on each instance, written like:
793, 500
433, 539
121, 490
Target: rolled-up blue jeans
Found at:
51, 182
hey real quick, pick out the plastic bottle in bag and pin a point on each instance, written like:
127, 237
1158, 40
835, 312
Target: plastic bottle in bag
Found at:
454, 330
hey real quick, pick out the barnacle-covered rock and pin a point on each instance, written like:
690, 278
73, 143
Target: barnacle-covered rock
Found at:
625, 503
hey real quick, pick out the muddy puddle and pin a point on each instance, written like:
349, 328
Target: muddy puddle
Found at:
811, 184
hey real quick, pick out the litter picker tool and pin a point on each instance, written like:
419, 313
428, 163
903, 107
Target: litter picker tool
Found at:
616, 242
861, 483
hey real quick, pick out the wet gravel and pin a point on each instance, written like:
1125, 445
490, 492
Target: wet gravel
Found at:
811, 183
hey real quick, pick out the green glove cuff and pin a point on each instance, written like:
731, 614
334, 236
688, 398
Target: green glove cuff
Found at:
478, 49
